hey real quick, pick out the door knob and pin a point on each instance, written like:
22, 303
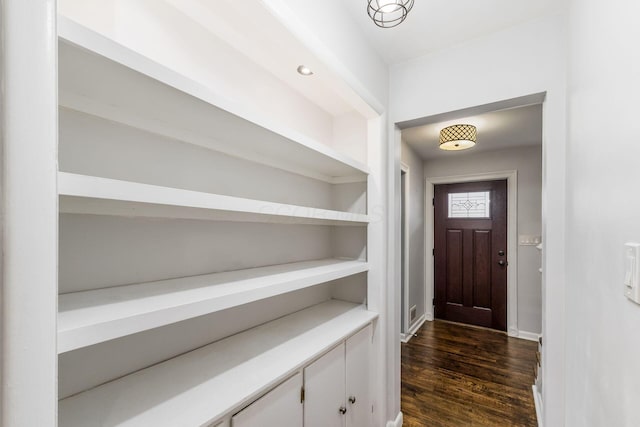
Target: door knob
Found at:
500, 253
352, 399
502, 263
342, 410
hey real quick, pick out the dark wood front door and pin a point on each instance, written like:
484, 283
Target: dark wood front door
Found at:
470, 256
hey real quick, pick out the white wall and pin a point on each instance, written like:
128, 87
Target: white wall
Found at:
602, 328
528, 162
523, 60
519, 61
415, 230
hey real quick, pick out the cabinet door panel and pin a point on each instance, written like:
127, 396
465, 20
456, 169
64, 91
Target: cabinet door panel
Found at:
280, 407
324, 385
358, 372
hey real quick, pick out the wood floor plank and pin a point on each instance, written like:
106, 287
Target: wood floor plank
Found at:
454, 376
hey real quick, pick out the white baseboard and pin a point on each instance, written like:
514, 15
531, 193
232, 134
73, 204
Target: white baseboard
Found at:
417, 325
537, 400
397, 422
429, 316
530, 336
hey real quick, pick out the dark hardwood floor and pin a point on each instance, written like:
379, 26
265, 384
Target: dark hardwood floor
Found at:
455, 375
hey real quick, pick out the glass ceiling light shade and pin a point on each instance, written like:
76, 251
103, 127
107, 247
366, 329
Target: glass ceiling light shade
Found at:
389, 13
458, 137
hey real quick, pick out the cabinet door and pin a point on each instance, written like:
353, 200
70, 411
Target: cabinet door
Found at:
280, 407
324, 390
358, 372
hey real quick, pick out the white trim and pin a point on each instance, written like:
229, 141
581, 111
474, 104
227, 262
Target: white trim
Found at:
429, 291
529, 336
29, 213
397, 422
537, 400
392, 388
405, 338
512, 237
405, 199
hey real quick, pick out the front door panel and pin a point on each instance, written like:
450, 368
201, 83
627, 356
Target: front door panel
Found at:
470, 230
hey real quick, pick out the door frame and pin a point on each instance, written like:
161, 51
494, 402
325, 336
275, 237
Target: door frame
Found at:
404, 198
512, 239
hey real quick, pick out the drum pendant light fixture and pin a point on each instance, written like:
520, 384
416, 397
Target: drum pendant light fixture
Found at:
389, 13
458, 137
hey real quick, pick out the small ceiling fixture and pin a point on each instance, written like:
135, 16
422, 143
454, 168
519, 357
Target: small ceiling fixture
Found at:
458, 137
304, 70
389, 13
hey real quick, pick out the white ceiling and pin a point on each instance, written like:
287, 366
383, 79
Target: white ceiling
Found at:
515, 127
252, 29
436, 24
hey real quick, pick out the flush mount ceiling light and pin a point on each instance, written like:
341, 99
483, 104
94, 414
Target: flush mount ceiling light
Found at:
458, 137
304, 70
389, 13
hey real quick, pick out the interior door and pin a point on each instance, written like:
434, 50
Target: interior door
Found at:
358, 372
324, 385
470, 230
280, 407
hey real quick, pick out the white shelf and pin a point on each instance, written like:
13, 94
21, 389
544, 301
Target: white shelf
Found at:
201, 386
103, 196
90, 317
102, 78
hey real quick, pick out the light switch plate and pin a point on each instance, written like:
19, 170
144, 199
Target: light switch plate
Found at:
529, 240
632, 271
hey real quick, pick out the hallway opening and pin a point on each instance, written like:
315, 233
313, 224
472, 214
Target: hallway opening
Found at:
483, 269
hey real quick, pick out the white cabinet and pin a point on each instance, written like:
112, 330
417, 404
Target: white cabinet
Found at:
324, 390
358, 372
337, 385
280, 407
235, 370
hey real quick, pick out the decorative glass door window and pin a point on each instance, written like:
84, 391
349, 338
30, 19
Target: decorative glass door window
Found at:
470, 205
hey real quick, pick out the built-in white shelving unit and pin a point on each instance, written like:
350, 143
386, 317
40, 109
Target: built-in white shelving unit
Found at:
104, 79
90, 317
82, 194
177, 206
214, 380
